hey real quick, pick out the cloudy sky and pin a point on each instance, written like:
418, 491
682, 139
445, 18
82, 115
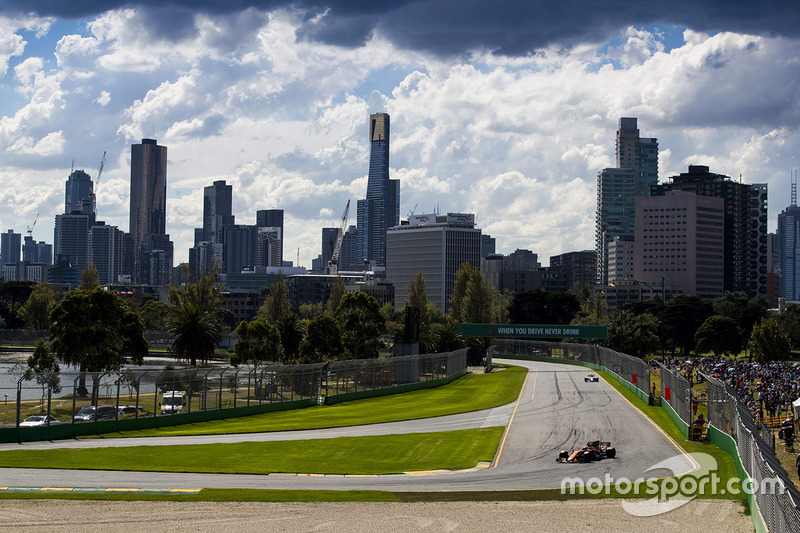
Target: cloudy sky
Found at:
504, 109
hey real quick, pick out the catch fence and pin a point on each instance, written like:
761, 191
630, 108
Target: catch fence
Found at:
676, 390
631, 369
84, 396
777, 497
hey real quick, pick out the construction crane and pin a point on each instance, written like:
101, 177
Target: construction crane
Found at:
30, 228
97, 183
100, 170
333, 263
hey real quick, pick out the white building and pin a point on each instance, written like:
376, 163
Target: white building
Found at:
437, 246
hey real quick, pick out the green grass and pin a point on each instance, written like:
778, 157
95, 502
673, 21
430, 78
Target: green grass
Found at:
472, 392
349, 455
452, 450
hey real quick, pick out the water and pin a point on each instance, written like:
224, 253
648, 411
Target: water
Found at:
13, 364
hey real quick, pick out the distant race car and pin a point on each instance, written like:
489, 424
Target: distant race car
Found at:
593, 451
591, 378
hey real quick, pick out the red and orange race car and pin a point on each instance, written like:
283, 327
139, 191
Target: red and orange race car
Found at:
593, 451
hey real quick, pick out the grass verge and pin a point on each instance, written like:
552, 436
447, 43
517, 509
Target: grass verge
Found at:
450, 450
472, 392
726, 468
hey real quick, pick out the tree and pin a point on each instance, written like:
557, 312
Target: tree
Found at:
291, 332
474, 301
719, 335
769, 342
89, 278
13, 295
323, 341
542, 307
445, 337
194, 323
633, 335
95, 331
790, 321
743, 311
337, 292
257, 342
35, 313
311, 311
593, 312
682, 316
44, 368
154, 314
361, 323
276, 303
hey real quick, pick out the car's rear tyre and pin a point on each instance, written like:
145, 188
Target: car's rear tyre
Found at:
611, 453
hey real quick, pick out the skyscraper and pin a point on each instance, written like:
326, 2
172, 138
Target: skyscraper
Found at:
71, 239
679, 238
106, 247
217, 210
270, 235
617, 188
148, 211
380, 210
788, 237
10, 244
79, 194
435, 245
745, 227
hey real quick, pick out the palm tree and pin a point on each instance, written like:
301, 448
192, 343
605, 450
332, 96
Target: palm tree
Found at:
194, 323
195, 330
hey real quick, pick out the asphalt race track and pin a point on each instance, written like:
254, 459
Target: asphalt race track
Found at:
556, 410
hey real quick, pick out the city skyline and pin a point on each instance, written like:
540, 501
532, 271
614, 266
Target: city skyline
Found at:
513, 128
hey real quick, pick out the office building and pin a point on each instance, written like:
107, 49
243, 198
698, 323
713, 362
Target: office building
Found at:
217, 210
79, 194
239, 250
148, 199
10, 243
380, 210
106, 245
680, 238
270, 244
487, 245
620, 258
36, 252
62, 272
579, 268
329, 236
617, 189
435, 245
71, 240
788, 245
156, 254
745, 224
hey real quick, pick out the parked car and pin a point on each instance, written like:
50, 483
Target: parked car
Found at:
93, 412
38, 421
131, 411
173, 402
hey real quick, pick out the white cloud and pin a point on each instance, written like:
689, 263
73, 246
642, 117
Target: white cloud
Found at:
517, 141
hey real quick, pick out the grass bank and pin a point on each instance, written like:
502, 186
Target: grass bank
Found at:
472, 392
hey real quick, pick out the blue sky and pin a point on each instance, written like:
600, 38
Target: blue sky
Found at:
507, 111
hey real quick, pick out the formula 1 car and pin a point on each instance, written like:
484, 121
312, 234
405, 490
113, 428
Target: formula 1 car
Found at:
593, 451
591, 378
